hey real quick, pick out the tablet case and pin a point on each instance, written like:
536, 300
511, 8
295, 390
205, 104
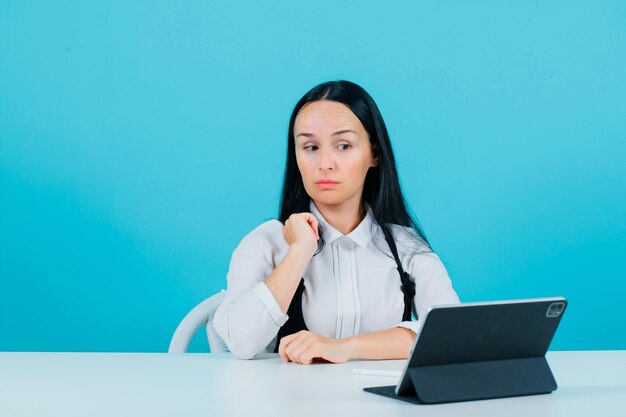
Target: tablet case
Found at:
480, 351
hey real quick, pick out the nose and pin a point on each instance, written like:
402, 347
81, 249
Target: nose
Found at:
326, 160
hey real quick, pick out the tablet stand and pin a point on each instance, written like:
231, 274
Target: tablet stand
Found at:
481, 380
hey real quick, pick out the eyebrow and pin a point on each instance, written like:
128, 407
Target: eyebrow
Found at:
339, 132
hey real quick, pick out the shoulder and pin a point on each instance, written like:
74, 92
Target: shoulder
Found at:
269, 233
415, 254
407, 240
265, 240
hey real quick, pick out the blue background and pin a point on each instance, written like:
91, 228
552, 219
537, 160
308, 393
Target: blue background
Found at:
140, 141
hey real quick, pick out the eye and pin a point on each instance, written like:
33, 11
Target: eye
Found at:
347, 146
306, 148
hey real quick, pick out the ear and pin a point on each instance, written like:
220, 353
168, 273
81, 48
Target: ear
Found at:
374, 161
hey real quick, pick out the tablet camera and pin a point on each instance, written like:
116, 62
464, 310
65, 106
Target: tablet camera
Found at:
555, 309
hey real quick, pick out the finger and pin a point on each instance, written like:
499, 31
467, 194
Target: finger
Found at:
309, 354
293, 348
318, 348
284, 342
304, 346
310, 218
281, 352
292, 344
281, 348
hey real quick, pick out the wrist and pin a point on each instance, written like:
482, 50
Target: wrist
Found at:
351, 346
302, 251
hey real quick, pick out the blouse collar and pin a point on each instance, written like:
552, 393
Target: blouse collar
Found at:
361, 235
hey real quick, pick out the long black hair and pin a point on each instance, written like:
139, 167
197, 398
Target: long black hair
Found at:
381, 189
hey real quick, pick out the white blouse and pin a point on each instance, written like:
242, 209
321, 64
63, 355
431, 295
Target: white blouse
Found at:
351, 287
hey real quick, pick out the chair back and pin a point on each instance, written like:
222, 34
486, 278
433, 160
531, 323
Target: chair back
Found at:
200, 315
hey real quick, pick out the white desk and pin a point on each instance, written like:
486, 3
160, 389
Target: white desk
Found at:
118, 385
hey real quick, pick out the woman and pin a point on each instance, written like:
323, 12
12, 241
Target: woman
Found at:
338, 275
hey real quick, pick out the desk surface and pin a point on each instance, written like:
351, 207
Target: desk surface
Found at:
115, 384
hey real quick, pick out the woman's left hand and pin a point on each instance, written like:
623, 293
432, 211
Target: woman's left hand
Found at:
304, 346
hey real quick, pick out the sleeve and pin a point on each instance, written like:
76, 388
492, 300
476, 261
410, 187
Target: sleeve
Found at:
249, 317
432, 286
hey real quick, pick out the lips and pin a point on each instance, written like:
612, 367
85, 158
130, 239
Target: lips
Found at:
326, 184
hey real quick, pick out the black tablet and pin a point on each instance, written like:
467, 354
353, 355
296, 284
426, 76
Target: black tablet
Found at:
475, 351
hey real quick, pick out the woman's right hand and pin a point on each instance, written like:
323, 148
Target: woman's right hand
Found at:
300, 229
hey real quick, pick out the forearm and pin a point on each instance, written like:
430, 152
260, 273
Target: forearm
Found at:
284, 281
395, 343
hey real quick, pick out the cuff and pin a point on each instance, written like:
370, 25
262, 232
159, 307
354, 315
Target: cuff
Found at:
411, 325
268, 300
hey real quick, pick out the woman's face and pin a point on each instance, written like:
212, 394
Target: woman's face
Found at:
332, 144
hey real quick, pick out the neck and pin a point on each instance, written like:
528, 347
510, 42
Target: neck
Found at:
345, 216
